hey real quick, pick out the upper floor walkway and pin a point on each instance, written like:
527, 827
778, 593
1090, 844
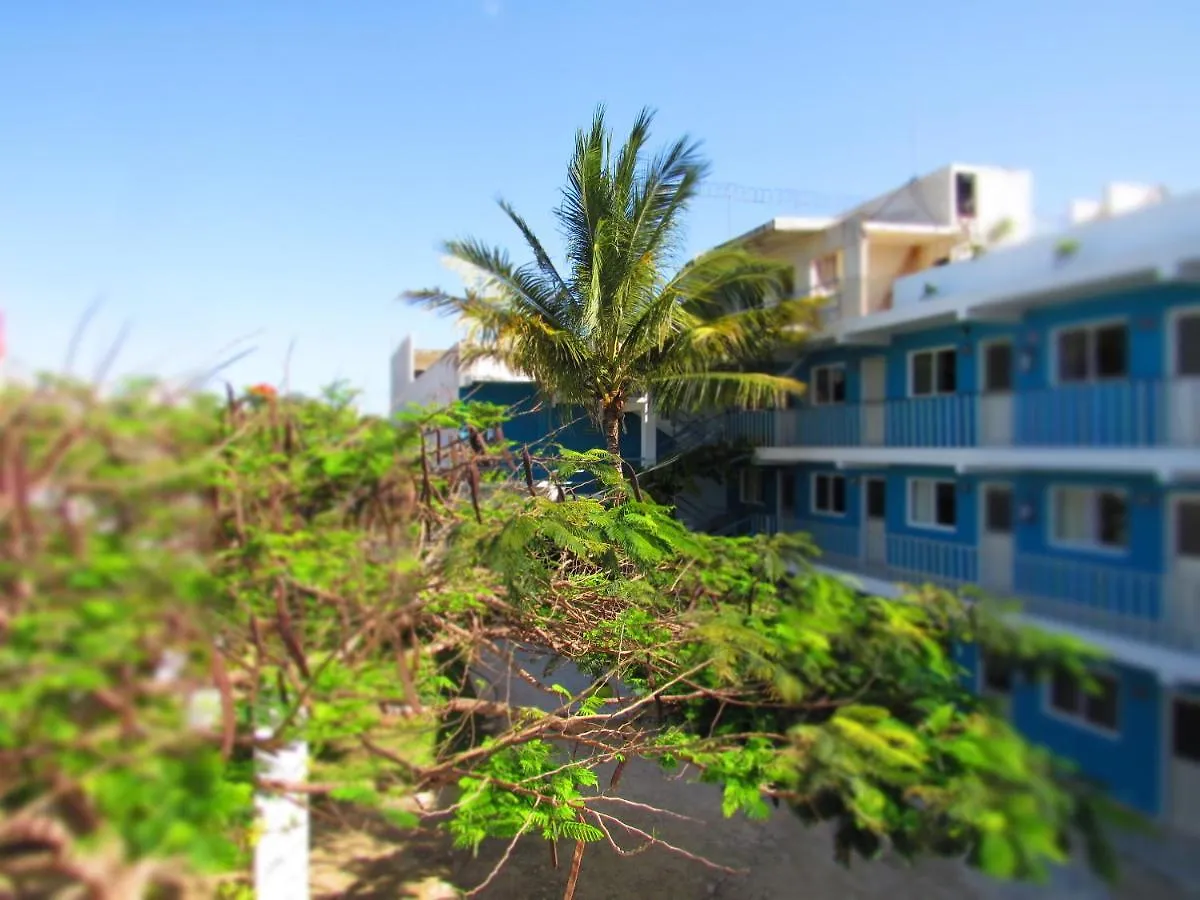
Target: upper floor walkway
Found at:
1116, 414
1157, 609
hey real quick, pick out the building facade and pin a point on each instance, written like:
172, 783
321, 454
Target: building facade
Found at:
1022, 418
986, 409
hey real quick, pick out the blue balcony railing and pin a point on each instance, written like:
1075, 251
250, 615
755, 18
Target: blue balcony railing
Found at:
1109, 414
1151, 606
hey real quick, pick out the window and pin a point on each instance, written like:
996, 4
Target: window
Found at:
829, 385
1088, 354
996, 674
1187, 345
1187, 528
1090, 517
1068, 698
998, 510
932, 504
825, 271
998, 367
829, 494
752, 486
787, 491
964, 194
876, 498
1185, 732
933, 372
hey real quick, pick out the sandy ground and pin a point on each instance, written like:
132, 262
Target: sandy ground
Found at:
778, 857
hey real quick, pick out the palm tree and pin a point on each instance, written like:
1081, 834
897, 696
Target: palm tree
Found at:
618, 321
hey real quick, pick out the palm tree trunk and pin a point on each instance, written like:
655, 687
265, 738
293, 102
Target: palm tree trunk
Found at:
612, 431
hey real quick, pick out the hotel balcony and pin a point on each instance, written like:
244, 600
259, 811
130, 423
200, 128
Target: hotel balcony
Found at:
1152, 607
1053, 425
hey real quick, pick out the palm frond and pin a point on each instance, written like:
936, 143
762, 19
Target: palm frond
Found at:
728, 279
612, 321
706, 390
542, 258
525, 286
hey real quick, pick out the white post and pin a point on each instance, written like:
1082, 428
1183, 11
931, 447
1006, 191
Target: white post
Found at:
281, 854
649, 433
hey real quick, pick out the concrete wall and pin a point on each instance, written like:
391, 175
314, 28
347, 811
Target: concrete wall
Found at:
1142, 239
1000, 194
402, 373
440, 383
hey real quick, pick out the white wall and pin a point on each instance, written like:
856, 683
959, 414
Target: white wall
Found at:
1119, 198
999, 193
402, 372
436, 385
440, 383
1106, 248
1002, 194
489, 370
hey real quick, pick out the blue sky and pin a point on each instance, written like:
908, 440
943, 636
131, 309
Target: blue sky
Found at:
278, 172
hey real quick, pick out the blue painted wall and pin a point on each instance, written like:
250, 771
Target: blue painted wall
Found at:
1042, 568
1114, 413
559, 425
1128, 764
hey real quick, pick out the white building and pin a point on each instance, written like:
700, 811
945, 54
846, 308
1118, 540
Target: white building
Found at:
854, 258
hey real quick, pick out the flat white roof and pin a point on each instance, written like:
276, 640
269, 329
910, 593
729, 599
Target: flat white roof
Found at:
786, 225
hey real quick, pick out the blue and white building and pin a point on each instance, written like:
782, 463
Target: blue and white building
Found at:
1022, 417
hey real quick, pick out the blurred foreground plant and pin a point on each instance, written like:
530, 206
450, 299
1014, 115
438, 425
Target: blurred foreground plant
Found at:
362, 585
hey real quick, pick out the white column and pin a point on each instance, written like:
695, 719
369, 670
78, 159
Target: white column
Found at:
649, 433
281, 854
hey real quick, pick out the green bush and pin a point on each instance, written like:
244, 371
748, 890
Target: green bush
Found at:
337, 576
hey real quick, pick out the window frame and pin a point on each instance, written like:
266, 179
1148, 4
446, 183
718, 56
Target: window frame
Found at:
814, 477
911, 522
1078, 717
1089, 329
816, 276
985, 348
868, 482
788, 483
987, 691
934, 352
743, 493
1093, 545
812, 380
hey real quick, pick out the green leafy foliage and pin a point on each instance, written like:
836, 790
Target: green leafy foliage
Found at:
363, 585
